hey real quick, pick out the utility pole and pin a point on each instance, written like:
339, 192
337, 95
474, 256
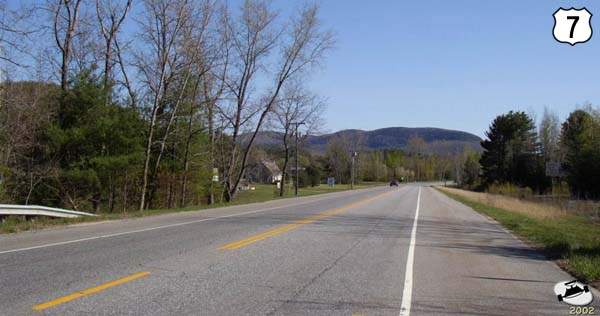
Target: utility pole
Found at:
1, 83
354, 154
296, 124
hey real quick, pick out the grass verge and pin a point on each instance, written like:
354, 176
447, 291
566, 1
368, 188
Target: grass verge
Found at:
262, 193
572, 240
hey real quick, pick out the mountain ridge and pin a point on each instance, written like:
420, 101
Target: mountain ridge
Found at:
437, 140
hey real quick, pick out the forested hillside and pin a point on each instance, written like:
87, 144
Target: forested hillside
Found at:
438, 141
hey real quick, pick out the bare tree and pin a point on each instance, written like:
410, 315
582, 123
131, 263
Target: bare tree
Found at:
417, 147
65, 23
161, 30
213, 88
252, 39
299, 45
207, 53
28, 110
338, 155
14, 32
297, 105
126, 82
549, 134
110, 18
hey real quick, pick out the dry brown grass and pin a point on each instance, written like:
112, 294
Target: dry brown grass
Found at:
532, 209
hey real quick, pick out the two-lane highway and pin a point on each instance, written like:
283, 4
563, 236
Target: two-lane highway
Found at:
381, 251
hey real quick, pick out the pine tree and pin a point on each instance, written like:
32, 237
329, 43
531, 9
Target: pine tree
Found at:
96, 143
511, 152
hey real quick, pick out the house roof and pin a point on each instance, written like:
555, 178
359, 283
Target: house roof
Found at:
271, 166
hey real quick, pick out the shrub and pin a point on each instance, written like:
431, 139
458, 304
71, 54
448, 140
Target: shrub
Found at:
510, 190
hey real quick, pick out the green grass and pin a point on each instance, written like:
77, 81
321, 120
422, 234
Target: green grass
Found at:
262, 193
572, 239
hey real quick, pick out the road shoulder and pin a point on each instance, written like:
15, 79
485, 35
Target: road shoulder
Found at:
469, 263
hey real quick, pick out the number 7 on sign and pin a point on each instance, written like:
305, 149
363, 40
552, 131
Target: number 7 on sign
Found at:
572, 26
576, 19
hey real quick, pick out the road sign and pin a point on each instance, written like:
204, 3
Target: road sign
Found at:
554, 169
572, 26
215, 176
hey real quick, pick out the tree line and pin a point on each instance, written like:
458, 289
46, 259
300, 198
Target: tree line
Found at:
518, 152
416, 162
121, 105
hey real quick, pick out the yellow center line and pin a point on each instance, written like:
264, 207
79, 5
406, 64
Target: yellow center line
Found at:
285, 228
89, 291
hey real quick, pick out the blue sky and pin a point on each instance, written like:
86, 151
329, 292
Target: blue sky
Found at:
448, 64
451, 64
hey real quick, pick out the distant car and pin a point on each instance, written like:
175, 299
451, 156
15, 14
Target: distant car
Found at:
573, 290
394, 183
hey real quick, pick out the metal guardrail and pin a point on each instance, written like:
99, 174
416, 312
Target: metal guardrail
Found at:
36, 210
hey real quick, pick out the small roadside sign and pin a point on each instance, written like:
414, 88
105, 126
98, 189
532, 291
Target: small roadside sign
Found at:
554, 169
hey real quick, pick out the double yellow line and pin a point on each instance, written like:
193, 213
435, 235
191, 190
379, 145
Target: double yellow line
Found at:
286, 228
231, 246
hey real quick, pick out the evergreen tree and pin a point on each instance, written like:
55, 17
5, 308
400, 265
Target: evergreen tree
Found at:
580, 142
314, 175
96, 144
511, 152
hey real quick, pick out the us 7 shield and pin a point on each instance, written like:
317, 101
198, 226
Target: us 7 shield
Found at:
572, 25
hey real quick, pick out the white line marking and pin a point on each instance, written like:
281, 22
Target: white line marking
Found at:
407, 293
155, 228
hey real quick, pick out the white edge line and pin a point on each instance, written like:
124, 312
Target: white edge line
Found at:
152, 228
407, 293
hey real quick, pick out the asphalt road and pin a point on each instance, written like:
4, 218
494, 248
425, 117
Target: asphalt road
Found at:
381, 251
